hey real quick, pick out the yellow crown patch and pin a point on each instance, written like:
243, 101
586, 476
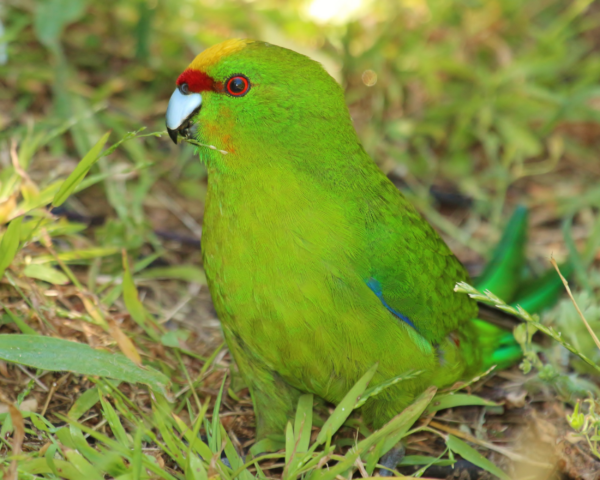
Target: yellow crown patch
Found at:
214, 54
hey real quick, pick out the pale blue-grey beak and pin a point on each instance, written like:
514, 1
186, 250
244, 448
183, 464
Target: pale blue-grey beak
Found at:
179, 112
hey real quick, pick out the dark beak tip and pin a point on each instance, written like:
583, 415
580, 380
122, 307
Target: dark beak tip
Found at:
173, 134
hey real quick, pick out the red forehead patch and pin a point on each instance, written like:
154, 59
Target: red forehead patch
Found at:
196, 80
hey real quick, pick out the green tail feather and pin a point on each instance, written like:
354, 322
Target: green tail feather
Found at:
502, 273
543, 292
496, 346
503, 277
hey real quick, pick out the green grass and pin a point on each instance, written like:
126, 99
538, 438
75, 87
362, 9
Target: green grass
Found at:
497, 100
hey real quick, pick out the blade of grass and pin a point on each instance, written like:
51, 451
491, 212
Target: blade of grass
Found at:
81, 170
19, 322
81, 464
114, 422
87, 400
194, 469
568, 289
444, 401
345, 407
10, 244
236, 462
195, 442
215, 440
55, 354
377, 389
136, 461
133, 303
469, 453
303, 421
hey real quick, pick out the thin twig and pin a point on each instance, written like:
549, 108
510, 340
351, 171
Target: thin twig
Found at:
195, 289
33, 377
198, 144
14, 157
49, 397
566, 284
181, 214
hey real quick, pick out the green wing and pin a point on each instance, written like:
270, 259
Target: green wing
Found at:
412, 270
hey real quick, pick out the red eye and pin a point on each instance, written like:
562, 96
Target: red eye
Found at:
237, 86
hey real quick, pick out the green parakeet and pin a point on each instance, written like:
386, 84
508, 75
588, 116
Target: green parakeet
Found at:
317, 265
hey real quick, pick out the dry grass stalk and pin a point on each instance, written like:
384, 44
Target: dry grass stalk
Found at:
566, 284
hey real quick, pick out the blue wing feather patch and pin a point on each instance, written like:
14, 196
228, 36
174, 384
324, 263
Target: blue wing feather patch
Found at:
375, 287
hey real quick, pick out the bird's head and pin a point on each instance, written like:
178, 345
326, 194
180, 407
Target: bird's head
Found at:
244, 95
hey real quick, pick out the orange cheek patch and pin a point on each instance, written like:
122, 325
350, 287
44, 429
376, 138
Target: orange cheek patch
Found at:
226, 126
211, 130
228, 143
218, 130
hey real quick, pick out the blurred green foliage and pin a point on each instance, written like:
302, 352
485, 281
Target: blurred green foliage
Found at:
479, 93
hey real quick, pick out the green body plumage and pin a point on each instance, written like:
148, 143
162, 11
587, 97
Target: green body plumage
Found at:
316, 263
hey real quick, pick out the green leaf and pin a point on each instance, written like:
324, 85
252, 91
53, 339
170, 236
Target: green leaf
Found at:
173, 445
56, 354
469, 453
50, 458
195, 442
390, 434
424, 460
44, 198
81, 170
290, 442
45, 273
19, 321
37, 466
114, 422
377, 389
64, 436
215, 439
345, 407
52, 16
298, 437
194, 469
78, 255
234, 458
87, 400
81, 445
81, 464
442, 402
136, 459
132, 301
303, 422
10, 244
172, 338
267, 445
41, 423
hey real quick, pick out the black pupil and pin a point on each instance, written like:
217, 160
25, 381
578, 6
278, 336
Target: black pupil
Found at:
184, 88
237, 85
